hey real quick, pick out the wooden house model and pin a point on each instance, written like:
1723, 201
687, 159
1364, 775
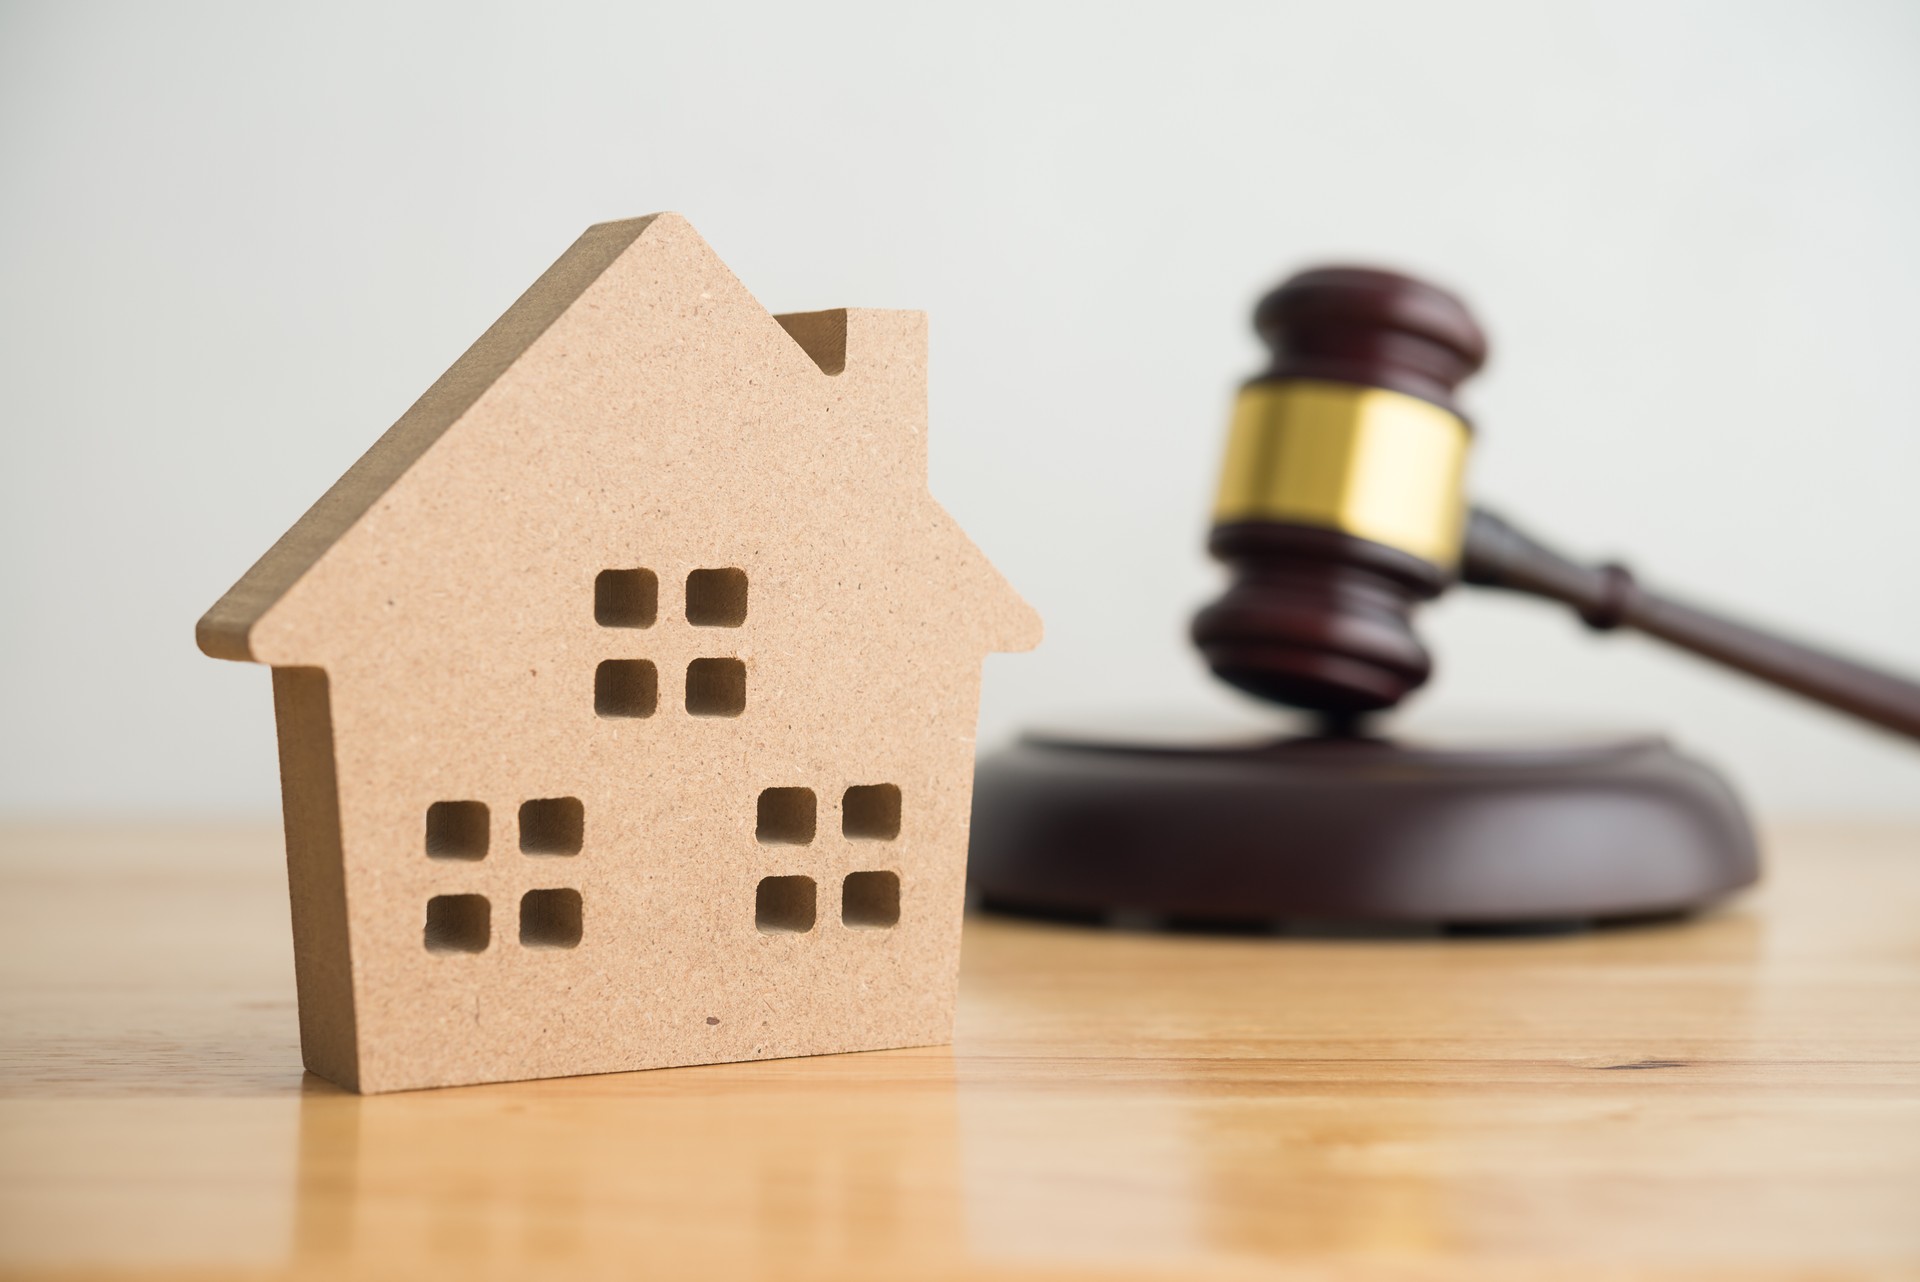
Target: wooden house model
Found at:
626, 692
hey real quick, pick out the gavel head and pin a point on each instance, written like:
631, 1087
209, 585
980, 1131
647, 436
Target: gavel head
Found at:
1341, 504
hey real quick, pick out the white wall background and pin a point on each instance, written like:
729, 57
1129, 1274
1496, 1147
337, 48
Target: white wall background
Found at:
236, 242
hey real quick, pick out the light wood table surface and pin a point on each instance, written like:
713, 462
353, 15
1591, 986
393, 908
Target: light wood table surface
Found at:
1732, 1097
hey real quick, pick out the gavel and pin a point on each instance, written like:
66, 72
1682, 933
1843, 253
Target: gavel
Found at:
1342, 507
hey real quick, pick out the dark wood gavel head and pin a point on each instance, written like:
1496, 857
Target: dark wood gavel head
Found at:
1341, 504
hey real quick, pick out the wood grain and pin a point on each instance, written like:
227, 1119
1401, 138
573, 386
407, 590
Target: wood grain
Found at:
1734, 1097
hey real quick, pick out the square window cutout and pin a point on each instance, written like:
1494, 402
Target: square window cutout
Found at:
717, 598
457, 830
458, 924
870, 900
784, 905
871, 811
786, 816
626, 598
626, 688
552, 826
550, 919
716, 687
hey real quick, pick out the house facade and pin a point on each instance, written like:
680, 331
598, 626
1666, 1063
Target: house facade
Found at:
626, 692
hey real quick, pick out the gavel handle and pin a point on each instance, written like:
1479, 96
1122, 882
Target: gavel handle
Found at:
1497, 555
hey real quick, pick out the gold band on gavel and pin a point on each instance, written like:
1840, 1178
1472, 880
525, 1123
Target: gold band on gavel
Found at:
1375, 464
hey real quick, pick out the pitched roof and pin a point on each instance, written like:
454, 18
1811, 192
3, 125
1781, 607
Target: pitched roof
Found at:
223, 631
229, 629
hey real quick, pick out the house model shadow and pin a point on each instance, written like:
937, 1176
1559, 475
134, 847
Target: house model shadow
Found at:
626, 692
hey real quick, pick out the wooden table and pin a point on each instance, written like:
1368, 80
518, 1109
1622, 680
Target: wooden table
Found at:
1732, 1097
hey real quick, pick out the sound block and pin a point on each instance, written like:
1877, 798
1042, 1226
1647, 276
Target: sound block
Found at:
1239, 830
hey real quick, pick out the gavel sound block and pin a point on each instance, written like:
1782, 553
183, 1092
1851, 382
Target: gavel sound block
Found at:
1341, 510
